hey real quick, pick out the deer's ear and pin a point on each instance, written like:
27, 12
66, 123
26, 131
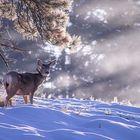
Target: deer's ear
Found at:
39, 62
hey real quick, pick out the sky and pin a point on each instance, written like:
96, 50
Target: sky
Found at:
107, 64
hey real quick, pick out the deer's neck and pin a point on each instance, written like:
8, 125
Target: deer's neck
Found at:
40, 78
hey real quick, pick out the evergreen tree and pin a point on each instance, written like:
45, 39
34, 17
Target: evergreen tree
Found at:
38, 19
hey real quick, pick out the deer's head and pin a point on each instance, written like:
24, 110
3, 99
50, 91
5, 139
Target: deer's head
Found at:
44, 68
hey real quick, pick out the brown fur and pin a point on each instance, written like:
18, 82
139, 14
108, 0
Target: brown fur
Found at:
25, 83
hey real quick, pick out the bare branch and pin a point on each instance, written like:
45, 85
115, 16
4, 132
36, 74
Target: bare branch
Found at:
4, 60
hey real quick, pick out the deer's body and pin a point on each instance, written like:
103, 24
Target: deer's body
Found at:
25, 83
22, 84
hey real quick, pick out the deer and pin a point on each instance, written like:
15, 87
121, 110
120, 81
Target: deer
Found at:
26, 84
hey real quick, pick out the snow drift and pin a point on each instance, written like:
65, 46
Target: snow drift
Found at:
68, 119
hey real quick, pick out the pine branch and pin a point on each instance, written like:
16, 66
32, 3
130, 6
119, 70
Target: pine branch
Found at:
45, 19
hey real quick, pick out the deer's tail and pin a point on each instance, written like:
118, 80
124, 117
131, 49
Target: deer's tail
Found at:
10, 80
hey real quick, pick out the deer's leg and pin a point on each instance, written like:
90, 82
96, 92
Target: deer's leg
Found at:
31, 97
8, 100
25, 97
10, 94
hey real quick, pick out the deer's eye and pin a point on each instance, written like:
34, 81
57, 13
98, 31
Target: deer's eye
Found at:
43, 66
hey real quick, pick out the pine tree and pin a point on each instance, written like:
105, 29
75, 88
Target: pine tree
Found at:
39, 19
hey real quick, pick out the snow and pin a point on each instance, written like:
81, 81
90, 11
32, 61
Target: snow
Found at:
68, 119
98, 13
52, 49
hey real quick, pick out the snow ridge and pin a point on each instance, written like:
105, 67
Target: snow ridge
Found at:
69, 119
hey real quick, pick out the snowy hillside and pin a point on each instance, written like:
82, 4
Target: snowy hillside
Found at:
69, 119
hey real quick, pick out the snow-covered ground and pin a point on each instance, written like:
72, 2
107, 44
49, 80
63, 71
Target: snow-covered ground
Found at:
69, 119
